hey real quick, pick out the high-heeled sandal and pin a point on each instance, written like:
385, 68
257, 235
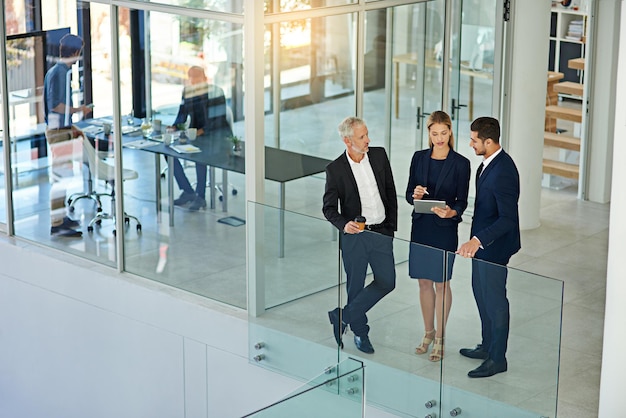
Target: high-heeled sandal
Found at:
426, 341
437, 353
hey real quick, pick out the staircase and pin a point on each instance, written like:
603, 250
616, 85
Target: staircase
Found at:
552, 137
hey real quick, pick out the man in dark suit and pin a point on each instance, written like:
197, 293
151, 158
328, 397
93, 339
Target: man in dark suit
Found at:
361, 182
204, 105
495, 238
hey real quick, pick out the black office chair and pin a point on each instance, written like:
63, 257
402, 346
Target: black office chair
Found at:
220, 116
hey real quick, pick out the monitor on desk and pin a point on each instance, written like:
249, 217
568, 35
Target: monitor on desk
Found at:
29, 55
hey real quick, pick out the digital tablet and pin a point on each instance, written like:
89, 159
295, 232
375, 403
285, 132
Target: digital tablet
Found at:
424, 206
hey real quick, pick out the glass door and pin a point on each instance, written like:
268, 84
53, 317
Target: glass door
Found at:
475, 39
415, 83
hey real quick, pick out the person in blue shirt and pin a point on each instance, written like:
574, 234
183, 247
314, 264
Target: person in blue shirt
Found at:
58, 111
204, 105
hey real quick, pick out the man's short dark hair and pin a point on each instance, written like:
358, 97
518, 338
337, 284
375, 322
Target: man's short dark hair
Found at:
70, 45
486, 127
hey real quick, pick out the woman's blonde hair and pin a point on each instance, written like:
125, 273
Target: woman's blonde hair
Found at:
443, 118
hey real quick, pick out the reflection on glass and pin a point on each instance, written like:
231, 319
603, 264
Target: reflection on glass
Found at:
294, 245
314, 60
195, 82
416, 80
336, 392
276, 6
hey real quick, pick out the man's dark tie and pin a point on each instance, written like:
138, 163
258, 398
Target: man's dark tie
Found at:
480, 170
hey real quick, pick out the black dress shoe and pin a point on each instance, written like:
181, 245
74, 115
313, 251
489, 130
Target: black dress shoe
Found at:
333, 316
476, 353
70, 223
488, 368
364, 344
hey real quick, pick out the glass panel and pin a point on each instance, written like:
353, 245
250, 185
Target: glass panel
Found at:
529, 387
192, 212
474, 90
293, 284
293, 242
49, 163
276, 6
416, 73
15, 19
338, 392
314, 62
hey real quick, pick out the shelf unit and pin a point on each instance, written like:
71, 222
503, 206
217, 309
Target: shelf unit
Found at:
562, 48
568, 35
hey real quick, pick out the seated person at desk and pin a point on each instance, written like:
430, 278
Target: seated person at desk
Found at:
58, 112
205, 105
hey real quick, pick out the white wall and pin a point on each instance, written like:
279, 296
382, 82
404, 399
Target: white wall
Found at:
75, 342
612, 399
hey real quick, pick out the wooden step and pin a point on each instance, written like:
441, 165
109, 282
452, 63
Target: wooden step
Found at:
568, 87
565, 113
561, 141
559, 168
554, 76
576, 63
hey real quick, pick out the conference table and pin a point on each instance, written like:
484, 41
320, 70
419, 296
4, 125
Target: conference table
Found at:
215, 151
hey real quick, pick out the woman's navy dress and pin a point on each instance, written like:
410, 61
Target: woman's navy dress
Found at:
426, 262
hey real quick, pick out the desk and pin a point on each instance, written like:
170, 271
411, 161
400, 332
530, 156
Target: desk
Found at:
280, 166
411, 58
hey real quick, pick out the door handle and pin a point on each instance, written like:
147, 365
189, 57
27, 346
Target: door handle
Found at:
455, 107
418, 118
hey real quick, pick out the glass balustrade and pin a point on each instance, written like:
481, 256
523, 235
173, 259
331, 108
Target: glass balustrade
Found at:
290, 293
289, 330
337, 392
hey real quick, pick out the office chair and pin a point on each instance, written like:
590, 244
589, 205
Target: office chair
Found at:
90, 193
220, 115
100, 169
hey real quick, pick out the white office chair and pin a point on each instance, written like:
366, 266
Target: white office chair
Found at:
90, 194
101, 170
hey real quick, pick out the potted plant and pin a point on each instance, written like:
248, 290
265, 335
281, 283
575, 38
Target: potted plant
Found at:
237, 148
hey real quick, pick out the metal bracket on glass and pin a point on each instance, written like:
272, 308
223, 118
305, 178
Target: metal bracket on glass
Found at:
259, 345
259, 358
455, 412
430, 403
352, 391
431, 415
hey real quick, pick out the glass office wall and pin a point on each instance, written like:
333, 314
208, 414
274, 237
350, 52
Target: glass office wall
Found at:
191, 212
45, 176
312, 72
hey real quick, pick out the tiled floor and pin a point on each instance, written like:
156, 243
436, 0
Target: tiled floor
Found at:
571, 245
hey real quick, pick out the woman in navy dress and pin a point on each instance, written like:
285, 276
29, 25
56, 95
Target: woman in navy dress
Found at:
437, 173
